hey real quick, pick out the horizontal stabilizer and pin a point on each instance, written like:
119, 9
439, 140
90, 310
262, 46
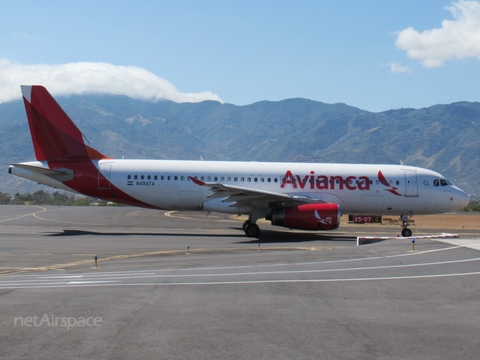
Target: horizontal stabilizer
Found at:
57, 174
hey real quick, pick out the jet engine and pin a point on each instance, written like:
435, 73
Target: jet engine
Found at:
325, 216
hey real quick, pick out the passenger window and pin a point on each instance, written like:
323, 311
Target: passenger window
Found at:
229, 179
149, 177
135, 177
129, 177
215, 178
242, 179
182, 178
235, 179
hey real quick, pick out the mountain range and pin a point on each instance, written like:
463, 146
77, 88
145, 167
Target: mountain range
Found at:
444, 138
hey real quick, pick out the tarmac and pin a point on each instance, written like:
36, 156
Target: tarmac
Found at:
178, 285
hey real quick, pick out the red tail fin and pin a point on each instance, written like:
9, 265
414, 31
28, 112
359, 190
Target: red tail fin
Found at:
54, 135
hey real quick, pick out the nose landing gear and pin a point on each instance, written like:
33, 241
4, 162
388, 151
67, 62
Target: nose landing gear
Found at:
406, 232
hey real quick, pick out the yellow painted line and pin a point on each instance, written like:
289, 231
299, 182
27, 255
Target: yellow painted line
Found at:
164, 252
25, 215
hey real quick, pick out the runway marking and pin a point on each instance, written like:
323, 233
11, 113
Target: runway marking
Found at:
35, 214
118, 278
239, 282
88, 282
152, 253
117, 257
25, 215
62, 221
425, 252
286, 272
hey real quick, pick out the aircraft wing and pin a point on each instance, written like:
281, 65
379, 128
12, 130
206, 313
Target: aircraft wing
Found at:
242, 195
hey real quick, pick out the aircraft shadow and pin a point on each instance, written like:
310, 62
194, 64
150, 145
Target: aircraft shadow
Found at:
269, 237
85, 232
266, 236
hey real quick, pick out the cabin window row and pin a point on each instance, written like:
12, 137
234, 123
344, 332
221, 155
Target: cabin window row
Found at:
202, 178
248, 179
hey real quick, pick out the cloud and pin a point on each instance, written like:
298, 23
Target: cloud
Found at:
90, 77
456, 39
398, 68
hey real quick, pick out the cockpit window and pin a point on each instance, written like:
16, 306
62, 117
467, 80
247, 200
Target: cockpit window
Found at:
441, 182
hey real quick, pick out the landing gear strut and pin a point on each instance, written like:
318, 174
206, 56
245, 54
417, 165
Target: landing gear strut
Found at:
406, 232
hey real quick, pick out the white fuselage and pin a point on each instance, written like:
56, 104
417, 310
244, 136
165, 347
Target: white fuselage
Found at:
357, 188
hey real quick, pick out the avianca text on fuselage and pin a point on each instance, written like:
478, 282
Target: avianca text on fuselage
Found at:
324, 182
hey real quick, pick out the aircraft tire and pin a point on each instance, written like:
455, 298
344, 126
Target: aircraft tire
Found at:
252, 230
406, 232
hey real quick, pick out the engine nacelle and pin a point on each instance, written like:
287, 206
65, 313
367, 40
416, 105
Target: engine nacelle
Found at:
308, 216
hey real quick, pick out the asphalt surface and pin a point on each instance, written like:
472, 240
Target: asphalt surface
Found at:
186, 286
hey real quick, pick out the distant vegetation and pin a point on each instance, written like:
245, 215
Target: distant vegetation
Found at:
473, 206
44, 198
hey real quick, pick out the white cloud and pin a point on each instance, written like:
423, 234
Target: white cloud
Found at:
456, 39
398, 68
89, 77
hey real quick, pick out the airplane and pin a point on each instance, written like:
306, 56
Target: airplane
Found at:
305, 196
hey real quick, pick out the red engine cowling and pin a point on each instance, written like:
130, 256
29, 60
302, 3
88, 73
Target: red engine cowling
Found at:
308, 217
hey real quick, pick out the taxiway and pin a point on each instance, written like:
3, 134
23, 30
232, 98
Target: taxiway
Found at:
180, 285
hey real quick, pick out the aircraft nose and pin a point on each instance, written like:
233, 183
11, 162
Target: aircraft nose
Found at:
460, 198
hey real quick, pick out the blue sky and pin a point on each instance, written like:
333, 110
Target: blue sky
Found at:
374, 55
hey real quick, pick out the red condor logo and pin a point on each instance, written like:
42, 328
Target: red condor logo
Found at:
324, 182
383, 181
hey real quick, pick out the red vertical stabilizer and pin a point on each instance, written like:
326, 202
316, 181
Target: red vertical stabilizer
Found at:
55, 137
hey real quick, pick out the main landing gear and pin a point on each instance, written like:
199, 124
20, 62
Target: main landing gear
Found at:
251, 229
406, 232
